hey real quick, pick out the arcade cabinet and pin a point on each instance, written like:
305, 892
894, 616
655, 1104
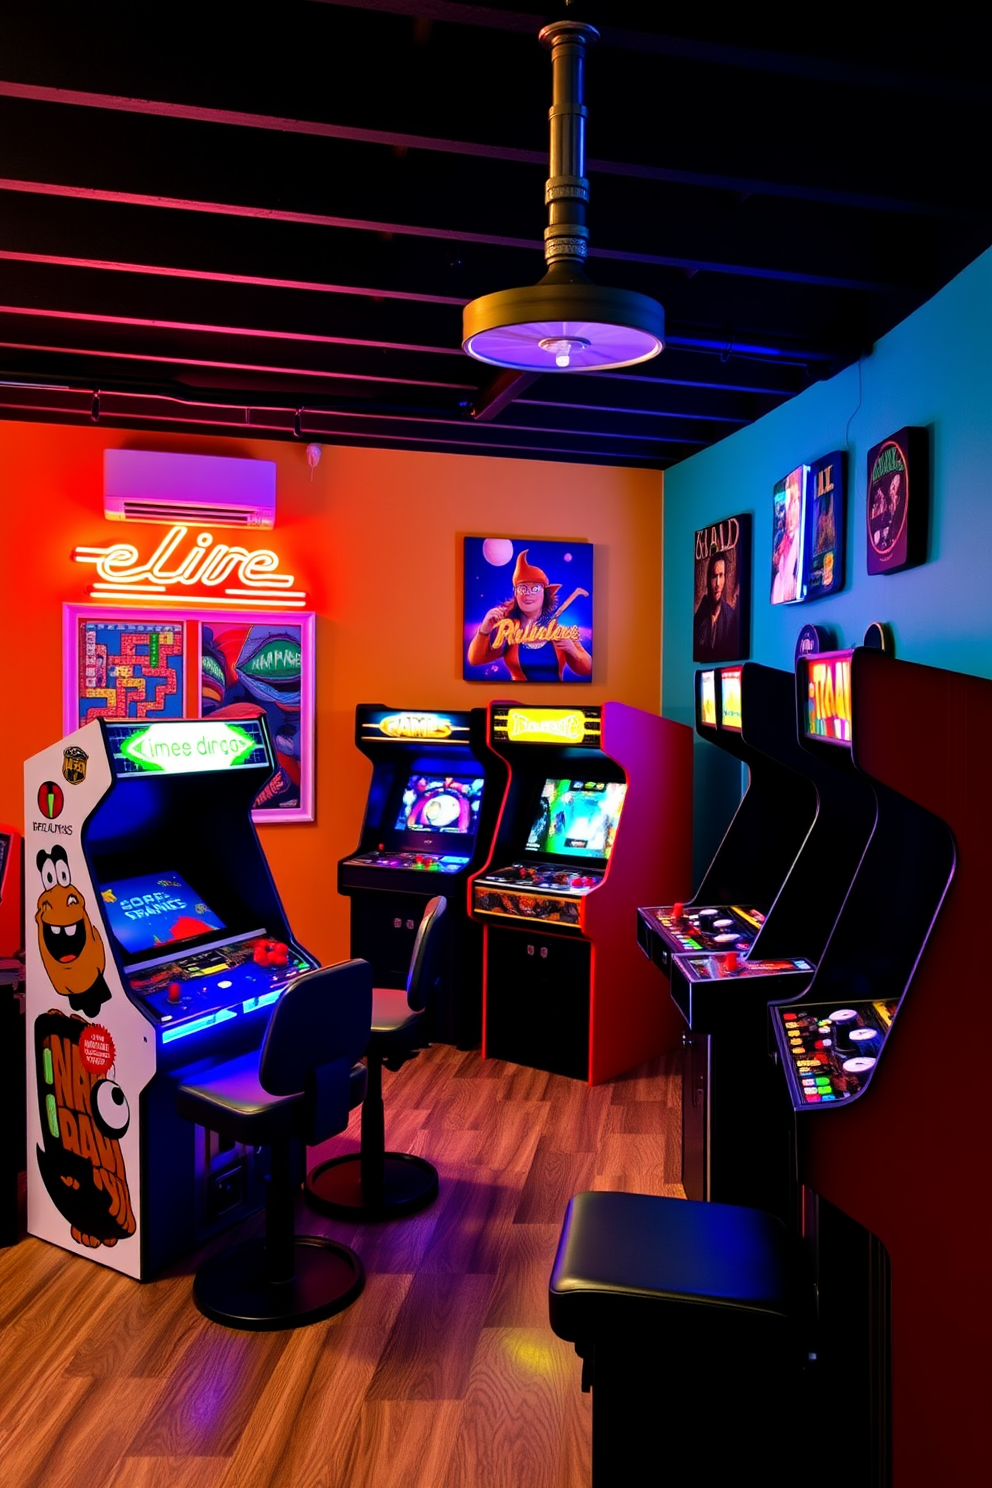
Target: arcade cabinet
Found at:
891, 1115
157, 947
11, 1028
432, 806
598, 812
753, 931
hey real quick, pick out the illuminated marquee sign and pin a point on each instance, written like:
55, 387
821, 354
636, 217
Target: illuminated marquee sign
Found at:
545, 726
186, 748
200, 573
416, 726
828, 701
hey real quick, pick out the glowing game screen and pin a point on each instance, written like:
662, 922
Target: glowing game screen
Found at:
577, 818
441, 803
707, 699
828, 697
156, 909
730, 698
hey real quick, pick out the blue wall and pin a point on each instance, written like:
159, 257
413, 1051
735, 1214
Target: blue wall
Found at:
935, 369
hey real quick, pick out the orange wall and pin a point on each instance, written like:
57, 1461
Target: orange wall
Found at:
375, 538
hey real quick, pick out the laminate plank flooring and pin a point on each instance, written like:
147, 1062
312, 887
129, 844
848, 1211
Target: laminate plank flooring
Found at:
444, 1373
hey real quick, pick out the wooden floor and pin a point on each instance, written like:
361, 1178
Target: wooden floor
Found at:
444, 1373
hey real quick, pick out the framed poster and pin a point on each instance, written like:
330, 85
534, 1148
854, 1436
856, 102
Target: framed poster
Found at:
788, 518
897, 502
824, 527
123, 665
722, 591
250, 664
527, 612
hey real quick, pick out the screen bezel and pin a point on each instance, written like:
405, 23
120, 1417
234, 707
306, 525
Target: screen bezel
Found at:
587, 860
170, 949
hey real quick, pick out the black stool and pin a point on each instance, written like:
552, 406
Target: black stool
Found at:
299, 1087
688, 1318
374, 1183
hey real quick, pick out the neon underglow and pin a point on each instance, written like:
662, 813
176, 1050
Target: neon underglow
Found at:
545, 726
186, 748
177, 567
183, 1030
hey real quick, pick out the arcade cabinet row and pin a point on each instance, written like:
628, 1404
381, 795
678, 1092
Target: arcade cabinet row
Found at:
828, 945
162, 943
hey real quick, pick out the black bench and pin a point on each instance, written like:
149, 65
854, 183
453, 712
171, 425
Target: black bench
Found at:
690, 1319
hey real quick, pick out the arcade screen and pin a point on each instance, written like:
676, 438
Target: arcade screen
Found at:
156, 909
828, 697
730, 699
577, 818
707, 699
441, 803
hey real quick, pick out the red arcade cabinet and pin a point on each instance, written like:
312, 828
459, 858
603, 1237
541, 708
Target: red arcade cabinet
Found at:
884, 1066
597, 818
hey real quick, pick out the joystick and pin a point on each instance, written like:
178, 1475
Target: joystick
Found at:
175, 991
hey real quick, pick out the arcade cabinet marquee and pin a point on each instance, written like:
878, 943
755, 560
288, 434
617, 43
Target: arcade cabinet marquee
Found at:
158, 940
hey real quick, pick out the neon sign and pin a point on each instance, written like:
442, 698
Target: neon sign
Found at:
545, 726
187, 748
415, 726
222, 574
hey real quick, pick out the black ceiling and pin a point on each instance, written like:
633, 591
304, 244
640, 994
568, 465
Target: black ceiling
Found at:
266, 219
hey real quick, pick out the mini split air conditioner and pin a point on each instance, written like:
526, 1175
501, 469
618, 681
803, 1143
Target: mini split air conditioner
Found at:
200, 490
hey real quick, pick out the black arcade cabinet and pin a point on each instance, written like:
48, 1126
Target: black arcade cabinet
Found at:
12, 1140
753, 931
433, 801
158, 945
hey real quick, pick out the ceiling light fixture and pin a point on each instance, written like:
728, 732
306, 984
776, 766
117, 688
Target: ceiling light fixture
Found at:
565, 323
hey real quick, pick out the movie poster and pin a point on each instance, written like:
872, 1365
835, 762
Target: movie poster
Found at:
721, 598
527, 611
823, 550
788, 522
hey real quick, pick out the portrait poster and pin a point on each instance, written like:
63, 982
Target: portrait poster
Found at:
824, 527
122, 665
788, 520
254, 664
721, 611
527, 612
897, 501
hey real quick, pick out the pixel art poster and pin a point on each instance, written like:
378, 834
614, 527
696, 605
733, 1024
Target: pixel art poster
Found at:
527, 610
119, 667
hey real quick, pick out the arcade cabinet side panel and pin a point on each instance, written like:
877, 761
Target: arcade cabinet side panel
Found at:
632, 1017
906, 1159
90, 1052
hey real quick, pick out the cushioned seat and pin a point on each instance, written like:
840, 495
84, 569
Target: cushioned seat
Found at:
688, 1318
299, 1088
373, 1183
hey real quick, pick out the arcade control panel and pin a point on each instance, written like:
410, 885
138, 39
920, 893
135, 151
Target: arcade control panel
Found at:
670, 930
534, 891
409, 861
830, 1053
214, 984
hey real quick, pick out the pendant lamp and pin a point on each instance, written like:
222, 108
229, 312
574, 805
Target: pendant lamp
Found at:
565, 323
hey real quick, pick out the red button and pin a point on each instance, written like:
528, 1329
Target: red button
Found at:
730, 961
175, 991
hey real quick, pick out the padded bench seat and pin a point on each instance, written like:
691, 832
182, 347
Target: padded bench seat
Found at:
688, 1317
